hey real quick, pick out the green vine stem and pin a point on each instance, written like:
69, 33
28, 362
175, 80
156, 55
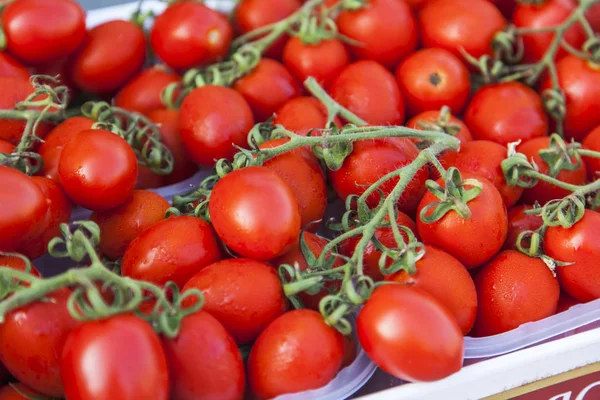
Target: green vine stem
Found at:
334, 109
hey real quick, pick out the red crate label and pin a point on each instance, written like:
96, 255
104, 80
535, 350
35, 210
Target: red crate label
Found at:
586, 387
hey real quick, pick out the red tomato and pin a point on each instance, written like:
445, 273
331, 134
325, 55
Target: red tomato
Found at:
97, 169
519, 222
147, 179
505, 113
23, 206
111, 55
472, 241
6, 147
173, 249
372, 159
40, 31
18, 264
302, 114
548, 14
15, 391
580, 83
386, 31
242, 294
579, 245
409, 334
53, 145
452, 24
431, 117
213, 119
11, 67
543, 192
592, 165
322, 61
432, 78
129, 362
59, 69
31, 340
142, 93
204, 361
513, 289
507, 7
565, 302
370, 91
189, 34
296, 352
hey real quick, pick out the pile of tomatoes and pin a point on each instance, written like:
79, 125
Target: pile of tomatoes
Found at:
460, 139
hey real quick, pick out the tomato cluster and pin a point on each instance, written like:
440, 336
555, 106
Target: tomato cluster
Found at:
430, 125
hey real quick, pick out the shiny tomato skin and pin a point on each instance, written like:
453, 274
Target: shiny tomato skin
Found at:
543, 192
213, 119
296, 352
371, 160
370, 91
97, 169
592, 165
579, 245
242, 294
204, 361
23, 206
240, 218
519, 222
11, 67
15, 390
302, 114
39, 31
432, 78
189, 34
472, 241
18, 264
322, 61
505, 113
513, 289
386, 29
103, 64
424, 342
31, 341
142, 93
129, 362
173, 249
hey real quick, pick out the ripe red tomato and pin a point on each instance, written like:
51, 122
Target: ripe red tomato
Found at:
40, 31
444, 277
213, 119
31, 340
372, 159
142, 93
322, 61
409, 334
543, 192
548, 14
6, 147
565, 302
189, 34
129, 362
97, 169
173, 249
580, 83
242, 294
370, 91
472, 241
204, 361
592, 165
302, 114
513, 289
18, 264
432, 78
11, 67
296, 352
386, 31
580, 246
15, 391
23, 206
505, 113
519, 222
111, 55
464, 134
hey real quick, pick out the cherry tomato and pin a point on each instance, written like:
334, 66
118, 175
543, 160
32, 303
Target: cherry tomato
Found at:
431, 117
97, 169
18, 264
189, 34
472, 241
31, 340
40, 31
296, 352
204, 361
513, 289
212, 120
505, 113
302, 114
112, 54
129, 362
322, 61
565, 302
369, 161
519, 222
173, 249
578, 245
592, 165
16, 391
386, 31
409, 334
23, 206
6, 147
432, 78
543, 192
370, 91
11, 67
238, 213
142, 93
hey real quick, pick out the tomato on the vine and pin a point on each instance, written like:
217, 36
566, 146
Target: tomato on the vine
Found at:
592, 165
6, 147
16, 263
142, 93
519, 221
323, 61
11, 67
302, 114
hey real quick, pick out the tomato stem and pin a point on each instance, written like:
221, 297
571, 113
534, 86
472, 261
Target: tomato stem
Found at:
333, 108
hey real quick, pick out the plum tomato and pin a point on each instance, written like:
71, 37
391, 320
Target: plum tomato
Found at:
302, 114
322, 61
18, 391
11, 67
142, 93
592, 165
519, 222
